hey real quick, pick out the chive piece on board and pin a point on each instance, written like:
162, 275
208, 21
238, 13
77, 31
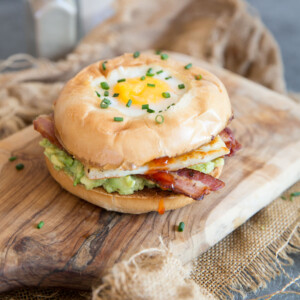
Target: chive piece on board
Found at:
181, 86
188, 66
106, 93
150, 111
40, 225
136, 54
159, 119
168, 77
118, 119
128, 104
151, 84
143, 78
19, 167
159, 72
104, 85
98, 95
12, 158
122, 80
116, 94
181, 226
105, 103
166, 95
145, 106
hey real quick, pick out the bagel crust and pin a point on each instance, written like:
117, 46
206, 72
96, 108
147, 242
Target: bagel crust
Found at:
140, 202
90, 134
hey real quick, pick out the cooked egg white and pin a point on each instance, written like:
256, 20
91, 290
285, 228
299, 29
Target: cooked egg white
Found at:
216, 148
133, 83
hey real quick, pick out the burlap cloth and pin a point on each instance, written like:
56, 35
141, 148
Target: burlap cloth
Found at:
225, 33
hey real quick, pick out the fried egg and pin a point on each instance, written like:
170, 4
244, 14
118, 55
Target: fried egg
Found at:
136, 91
216, 148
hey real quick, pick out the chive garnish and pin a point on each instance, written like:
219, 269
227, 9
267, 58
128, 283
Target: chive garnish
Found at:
168, 77
19, 167
104, 66
181, 86
104, 85
143, 78
164, 56
198, 77
188, 66
118, 119
128, 104
166, 95
158, 52
151, 84
12, 158
116, 94
106, 93
122, 80
295, 194
145, 106
105, 103
149, 73
150, 111
159, 119
159, 72
136, 54
98, 95
181, 226
40, 225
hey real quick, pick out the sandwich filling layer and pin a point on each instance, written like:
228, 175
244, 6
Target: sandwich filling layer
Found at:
124, 185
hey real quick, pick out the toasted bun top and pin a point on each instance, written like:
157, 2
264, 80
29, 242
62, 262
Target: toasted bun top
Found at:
202, 109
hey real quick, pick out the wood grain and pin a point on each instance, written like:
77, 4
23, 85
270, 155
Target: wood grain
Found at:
80, 241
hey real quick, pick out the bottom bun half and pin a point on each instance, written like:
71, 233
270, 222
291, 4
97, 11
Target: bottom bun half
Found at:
140, 202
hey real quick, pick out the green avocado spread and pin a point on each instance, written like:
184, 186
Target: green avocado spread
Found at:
123, 185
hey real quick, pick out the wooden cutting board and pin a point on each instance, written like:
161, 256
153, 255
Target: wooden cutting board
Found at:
79, 241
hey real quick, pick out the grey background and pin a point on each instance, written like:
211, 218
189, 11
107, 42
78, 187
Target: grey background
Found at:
282, 17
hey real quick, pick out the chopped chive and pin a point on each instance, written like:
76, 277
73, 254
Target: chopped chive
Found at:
166, 95
122, 80
188, 66
19, 167
143, 78
181, 86
151, 84
105, 103
158, 52
198, 77
40, 225
116, 94
104, 66
295, 194
106, 93
149, 73
12, 158
159, 72
168, 77
164, 56
159, 119
150, 111
104, 85
98, 95
128, 104
181, 226
136, 54
160, 111
118, 119
145, 106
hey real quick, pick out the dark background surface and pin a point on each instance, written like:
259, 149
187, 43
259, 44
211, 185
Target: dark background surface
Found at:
281, 17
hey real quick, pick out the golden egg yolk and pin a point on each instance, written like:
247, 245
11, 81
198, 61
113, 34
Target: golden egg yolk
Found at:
140, 92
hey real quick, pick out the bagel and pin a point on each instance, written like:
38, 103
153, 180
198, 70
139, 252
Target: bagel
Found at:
137, 129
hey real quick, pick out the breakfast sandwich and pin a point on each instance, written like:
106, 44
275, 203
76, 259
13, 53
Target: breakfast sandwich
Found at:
139, 133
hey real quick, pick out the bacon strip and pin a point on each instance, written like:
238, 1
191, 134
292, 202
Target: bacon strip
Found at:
231, 143
185, 181
45, 126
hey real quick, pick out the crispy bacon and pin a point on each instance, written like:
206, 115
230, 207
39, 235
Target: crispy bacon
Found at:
185, 181
45, 126
231, 143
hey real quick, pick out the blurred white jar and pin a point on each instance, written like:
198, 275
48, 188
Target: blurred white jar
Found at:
52, 27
